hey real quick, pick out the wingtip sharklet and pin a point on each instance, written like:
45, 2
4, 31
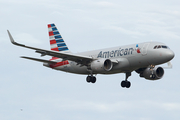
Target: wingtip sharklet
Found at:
10, 36
12, 40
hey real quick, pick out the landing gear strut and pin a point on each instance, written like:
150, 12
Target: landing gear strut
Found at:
126, 83
152, 72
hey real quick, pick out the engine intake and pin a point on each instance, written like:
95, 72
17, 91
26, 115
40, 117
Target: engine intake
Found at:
101, 65
155, 74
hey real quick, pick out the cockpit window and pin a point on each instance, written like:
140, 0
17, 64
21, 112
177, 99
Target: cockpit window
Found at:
161, 46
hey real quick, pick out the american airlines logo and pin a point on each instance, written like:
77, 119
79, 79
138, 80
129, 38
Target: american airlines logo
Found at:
115, 53
138, 49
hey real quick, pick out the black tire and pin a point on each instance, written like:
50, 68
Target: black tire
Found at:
128, 84
93, 79
88, 79
123, 84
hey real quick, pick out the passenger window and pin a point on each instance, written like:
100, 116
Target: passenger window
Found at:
155, 47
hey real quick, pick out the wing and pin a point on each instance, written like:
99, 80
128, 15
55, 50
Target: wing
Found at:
65, 56
169, 66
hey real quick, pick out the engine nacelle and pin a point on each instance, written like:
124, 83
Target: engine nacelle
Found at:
155, 74
101, 65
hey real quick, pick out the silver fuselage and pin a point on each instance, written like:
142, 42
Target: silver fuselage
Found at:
129, 57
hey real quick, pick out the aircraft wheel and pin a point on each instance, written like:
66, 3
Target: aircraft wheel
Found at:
93, 79
123, 84
88, 79
152, 76
128, 84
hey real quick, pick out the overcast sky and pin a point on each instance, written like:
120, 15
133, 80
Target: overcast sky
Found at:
29, 91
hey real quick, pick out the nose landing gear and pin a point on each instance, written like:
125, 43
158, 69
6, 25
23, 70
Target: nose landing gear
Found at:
126, 83
152, 72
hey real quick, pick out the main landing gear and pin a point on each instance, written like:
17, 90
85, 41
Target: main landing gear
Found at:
126, 83
91, 79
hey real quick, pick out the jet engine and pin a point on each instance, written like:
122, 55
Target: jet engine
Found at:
101, 65
152, 74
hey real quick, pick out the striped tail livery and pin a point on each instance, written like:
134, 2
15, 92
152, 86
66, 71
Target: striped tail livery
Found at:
56, 41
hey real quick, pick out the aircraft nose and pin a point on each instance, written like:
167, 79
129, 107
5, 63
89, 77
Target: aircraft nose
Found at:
170, 54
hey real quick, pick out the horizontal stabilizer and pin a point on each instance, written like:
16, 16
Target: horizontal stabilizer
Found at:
39, 60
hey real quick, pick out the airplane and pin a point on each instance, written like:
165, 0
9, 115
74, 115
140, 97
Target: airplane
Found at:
140, 57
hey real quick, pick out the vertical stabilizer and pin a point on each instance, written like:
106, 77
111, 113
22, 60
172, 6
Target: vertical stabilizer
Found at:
56, 41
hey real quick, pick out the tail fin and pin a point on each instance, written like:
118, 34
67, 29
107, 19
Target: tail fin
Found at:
56, 41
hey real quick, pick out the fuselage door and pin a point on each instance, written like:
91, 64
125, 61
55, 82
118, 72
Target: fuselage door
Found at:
144, 49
